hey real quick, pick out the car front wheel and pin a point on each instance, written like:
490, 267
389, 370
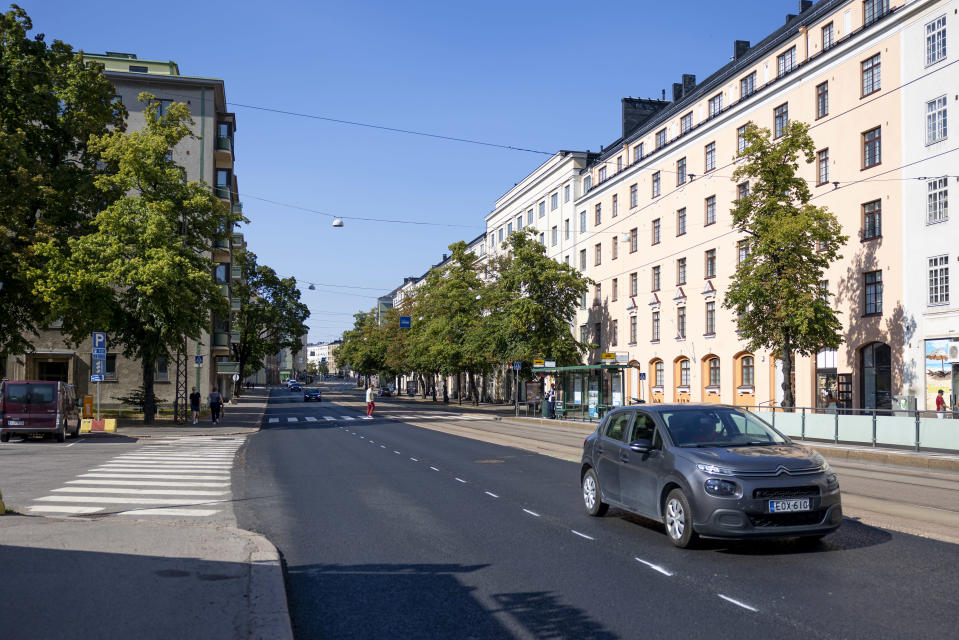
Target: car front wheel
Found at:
679, 520
592, 498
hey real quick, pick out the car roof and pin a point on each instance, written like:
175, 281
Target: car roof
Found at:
660, 408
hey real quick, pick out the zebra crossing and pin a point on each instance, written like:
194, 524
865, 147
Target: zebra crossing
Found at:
182, 477
385, 416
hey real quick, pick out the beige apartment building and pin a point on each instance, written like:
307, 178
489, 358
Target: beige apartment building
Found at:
660, 245
209, 157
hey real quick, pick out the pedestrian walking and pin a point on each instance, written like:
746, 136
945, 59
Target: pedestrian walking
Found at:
216, 402
195, 405
941, 406
370, 405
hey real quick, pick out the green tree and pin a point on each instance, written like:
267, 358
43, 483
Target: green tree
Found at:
776, 291
363, 348
532, 304
51, 104
142, 273
271, 315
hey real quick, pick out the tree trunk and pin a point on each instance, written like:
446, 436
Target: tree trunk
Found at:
473, 394
238, 385
459, 387
788, 400
149, 399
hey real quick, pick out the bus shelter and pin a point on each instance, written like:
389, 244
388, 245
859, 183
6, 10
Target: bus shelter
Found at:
586, 392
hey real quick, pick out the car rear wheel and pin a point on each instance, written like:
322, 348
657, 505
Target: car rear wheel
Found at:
61, 434
4, 437
679, 520
592, 498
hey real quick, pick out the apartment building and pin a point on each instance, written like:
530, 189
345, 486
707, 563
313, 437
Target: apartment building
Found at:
664, 262
206, 362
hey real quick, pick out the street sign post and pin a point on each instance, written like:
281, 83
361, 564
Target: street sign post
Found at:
539, 363
198, 360
517, 366
236, 377
99, 361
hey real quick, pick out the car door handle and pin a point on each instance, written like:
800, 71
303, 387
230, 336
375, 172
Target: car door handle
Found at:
599, 450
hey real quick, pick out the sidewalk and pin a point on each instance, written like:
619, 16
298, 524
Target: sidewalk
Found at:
931, 460
119, 577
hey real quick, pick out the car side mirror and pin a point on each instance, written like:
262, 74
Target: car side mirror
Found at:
643, 445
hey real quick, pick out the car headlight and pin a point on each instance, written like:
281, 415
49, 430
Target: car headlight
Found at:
721, 488
714, 470
832, 482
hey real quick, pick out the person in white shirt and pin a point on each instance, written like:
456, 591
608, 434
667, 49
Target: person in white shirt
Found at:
369, 401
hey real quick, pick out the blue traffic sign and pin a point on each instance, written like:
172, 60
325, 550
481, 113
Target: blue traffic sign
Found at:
642, 376
198, 360
99, 353
96, 378
517, 366
99, 340
405, 322
99, 367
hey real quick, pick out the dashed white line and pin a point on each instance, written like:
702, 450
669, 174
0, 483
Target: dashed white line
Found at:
434, 468
382, 446
655, 567
532, 513
414, 459
397, 452
582, 535
491, 494
738, 603
461, 480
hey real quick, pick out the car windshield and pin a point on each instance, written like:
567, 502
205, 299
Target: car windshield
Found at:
30, 393
312, 390
718, 427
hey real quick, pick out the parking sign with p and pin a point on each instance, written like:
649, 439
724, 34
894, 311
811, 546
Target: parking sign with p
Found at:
99, 340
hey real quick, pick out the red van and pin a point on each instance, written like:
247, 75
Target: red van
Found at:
38, 406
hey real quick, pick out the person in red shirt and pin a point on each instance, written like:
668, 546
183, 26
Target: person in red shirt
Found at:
941, 405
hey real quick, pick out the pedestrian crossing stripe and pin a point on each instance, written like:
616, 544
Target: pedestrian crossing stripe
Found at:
393, 416
310, 419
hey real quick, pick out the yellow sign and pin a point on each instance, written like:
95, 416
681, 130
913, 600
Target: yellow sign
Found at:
609, 356
539, 363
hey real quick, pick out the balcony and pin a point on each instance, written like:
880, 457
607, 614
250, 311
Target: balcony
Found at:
225, 290
221, 340
227, 368
223, 192
235, 337
238, 208
235, 304
237, 240
236, 273
224, 143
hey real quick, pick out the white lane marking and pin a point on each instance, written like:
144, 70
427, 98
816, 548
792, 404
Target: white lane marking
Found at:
348, 417
73, 443
582, 535
55, 509
738, 603
655, 567
171, 463
434, 468
140, 492
397, 452
148, 483
221, 458
292, 419
310, 419
371, 440
154, 476
460, 480
362, 437
414, 459
532, 513
382, 446
272, 420
330, 419
367, 417
117, 500
167, 473
169, 512
491, 494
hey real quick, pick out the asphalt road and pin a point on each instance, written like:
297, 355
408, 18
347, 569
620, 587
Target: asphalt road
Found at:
392, 530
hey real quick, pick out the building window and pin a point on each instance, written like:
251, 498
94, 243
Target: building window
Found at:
681, 222
873, 281
661, 138
686, 123
633, 195
742, 251
529, 217
715, 105
872, 220
633, 284
747, 85
583, 333
632, 330
163, 371
509, 228
681, 171
582, 301
519, 221
615, 248
741, 139
710, 162
633, 240
871, 76
587, 183
681, 322
871, 147
742, 190
638, 152
748, 369
619, 164
939, 280
566, 229
938, 201
681, 271
554, 202
659, 377
873, 10
542, 208
598, 214
936, 120
656, 184
501, 234
566, 193
710, 263
656, 228
781, 119
822, 100
598, 254
710, 318
822, 167
710, 210
615, 337
582, 221
602, 174
827, 37
656, 278
615, 292
936, 40
714, 372
582, 260
554, 235
110, 367
655, 334
542, 239
598, 332
786, 62
598, 295
615, 205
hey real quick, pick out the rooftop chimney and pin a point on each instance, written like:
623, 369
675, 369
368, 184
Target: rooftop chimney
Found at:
636, 111
804, 4
790, 16
740, 47
689, 83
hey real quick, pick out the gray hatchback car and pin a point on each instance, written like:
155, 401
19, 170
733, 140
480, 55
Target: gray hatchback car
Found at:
707, 470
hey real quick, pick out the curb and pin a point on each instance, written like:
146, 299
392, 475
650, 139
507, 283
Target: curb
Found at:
269, 613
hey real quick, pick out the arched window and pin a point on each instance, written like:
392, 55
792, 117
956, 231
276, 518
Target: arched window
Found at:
659, 377
714, 372
684, 373
748, 369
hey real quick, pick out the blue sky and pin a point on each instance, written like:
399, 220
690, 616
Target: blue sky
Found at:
539, 75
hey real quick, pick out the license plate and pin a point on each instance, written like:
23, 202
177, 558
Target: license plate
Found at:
15, 423
781, 506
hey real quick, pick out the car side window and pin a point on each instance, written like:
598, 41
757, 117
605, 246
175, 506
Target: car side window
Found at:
657, 440
643, 427
616, 428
